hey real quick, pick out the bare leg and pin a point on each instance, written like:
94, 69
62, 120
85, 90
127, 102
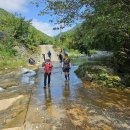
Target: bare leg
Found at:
65, 75
45, 78
68, 75
49, 79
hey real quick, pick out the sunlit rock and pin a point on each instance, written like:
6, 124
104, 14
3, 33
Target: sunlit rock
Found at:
1, 89
28, 72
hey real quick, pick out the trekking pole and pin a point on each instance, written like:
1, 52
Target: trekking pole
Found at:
44, 57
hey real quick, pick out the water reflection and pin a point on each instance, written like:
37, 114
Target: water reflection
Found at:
66, 90
47, 96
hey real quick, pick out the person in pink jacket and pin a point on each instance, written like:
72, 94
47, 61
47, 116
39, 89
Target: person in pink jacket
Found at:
47, 66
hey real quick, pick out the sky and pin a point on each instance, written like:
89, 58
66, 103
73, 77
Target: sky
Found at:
29, 11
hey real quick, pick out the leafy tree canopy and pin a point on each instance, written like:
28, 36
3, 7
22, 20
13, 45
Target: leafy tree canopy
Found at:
16, 31
70, 10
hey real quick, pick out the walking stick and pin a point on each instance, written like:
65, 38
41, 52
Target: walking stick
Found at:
44, 57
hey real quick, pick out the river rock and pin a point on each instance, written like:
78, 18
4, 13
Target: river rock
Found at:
6, 103
25, 79
15, 128
101, 54
27, 72
1, 89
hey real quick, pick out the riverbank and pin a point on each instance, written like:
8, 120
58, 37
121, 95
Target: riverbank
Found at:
18, 61
64, 105
17, 82
15, 92
101, 73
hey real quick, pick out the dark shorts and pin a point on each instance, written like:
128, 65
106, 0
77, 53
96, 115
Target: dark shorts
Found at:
66, 69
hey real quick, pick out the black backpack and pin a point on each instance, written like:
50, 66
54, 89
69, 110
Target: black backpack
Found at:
66, 63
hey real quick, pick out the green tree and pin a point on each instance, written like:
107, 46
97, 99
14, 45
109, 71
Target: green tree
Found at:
16, 31
106, 24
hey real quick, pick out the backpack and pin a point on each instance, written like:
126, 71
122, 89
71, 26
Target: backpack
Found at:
48, 67
66, 63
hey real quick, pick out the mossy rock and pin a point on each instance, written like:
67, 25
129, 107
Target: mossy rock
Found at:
102, 75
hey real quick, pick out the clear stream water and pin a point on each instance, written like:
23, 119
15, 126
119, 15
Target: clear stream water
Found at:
74, 105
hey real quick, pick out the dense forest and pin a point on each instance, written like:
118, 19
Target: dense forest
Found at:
105, 26
16, 32
65, 39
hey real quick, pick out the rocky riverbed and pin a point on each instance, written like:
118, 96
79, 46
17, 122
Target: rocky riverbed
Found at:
71, 105
15, 92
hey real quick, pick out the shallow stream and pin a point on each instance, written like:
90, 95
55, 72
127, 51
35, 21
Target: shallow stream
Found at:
71, 105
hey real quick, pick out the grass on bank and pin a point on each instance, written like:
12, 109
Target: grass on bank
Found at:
12, 63
9, 61
102, 74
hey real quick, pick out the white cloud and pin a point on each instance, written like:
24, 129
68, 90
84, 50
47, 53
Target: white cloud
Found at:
47, 28
14, 5
43, 27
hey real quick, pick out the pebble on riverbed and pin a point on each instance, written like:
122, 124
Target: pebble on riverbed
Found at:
1, 89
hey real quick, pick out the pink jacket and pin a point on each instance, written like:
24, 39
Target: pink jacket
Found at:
47, 67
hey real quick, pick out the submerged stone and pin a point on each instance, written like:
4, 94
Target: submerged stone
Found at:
28, 72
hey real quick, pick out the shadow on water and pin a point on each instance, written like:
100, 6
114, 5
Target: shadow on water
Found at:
47, 97
66, 91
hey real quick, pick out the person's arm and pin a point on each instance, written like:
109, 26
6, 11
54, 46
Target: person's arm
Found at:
62, 64
70, 65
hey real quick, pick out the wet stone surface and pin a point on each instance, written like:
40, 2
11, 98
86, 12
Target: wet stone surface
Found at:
71, 105
14, 99
76, 106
